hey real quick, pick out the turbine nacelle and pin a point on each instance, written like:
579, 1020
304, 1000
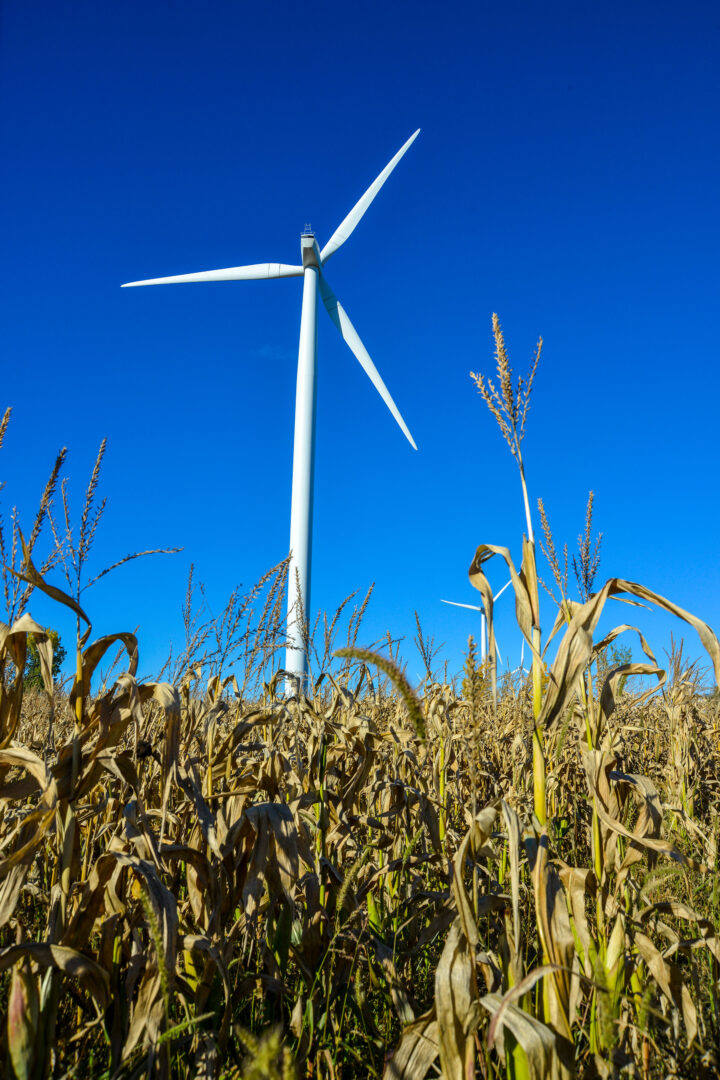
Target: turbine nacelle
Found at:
310, 251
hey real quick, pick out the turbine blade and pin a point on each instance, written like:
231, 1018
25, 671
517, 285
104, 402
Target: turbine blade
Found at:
473, 607
339, 316
233, 273
346, 226
497, 594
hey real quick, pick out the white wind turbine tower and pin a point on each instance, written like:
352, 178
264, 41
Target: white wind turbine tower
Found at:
311, 270
483, 622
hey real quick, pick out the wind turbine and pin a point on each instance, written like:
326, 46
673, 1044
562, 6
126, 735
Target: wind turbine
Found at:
483, 622
311, 270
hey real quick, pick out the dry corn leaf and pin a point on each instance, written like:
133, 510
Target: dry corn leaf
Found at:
92, 903
32, 577
707, 938
579, 884
514, 994
94, 653
524, 603
669, 979
474, 840
539, 1043
30, 832
270, 845
640, 839
27, 625
456, 1005
68, 961
10, 891
576, 647
417, 1050
514, 834
562, 988
19, 757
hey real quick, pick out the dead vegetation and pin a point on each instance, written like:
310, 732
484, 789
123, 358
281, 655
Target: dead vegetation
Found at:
200, 878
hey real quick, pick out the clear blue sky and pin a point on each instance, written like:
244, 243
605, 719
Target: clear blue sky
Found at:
566, 177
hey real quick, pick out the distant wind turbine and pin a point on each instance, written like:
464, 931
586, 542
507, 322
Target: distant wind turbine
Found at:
311, 270
483, 622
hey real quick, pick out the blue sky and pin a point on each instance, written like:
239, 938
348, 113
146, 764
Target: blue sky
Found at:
565, 177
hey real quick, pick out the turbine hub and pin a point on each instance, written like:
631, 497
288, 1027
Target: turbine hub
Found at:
310, 251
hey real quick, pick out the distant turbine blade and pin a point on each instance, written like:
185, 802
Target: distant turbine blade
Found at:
473, 607
497, 594
233, 273
339, 316
346, 227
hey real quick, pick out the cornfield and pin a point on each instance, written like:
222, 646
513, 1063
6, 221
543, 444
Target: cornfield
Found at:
202, 877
